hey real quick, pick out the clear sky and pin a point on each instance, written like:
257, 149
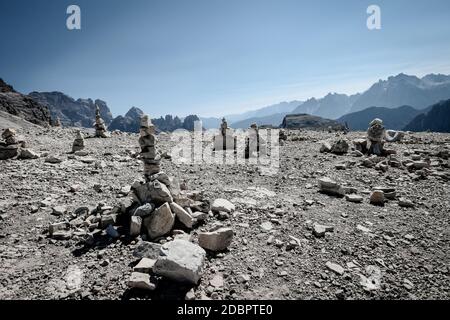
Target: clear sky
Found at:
215, 57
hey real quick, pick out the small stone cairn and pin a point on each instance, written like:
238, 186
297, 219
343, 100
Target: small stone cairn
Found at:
225, 139
58, 122
100, 128
14, 147
78, 143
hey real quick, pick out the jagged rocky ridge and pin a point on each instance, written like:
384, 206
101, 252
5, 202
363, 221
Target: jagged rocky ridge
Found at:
131, 122
71, 112
306, 121
23, 106
437, 119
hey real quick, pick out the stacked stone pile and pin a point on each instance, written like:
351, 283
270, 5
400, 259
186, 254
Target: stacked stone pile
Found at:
99, 125
155, 209
225, 140
78, 143
14, 147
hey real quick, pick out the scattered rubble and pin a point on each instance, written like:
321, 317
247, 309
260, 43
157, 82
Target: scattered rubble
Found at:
277, 237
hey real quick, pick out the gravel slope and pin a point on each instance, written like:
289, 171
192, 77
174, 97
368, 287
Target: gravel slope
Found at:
274, 254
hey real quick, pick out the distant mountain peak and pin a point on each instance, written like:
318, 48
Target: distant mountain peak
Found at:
134, 112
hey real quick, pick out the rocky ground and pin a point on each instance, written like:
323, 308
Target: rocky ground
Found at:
290, 241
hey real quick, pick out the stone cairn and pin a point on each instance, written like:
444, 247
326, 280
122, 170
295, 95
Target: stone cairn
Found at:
78, 143
373, 144
100, 128
254, 143
224, 140
150, 211
58, 122
14, 147
149, 154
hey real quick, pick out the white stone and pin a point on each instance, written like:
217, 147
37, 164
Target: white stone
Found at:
160, 222
181, 261
266, 226
217, 240
159, 192
320, 230
222, 205
182, 215
330, 187
145, 265
140, 280
354, 198
335, 268
135, 226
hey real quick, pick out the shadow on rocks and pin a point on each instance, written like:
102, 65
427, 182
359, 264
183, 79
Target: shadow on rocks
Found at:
165, 290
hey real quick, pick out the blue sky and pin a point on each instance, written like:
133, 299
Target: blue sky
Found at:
216, 57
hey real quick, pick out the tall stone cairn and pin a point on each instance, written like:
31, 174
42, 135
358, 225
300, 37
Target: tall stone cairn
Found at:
78, 143
100, 128
149, 153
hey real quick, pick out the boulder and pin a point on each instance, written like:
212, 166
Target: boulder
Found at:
185, 218
160, 222
340, 147
181, 261
320, 230
325, 147
159, 192
161, 177
335, 268
145, 265
354, 198
112, 232
28, 154
222, 205
9, 151
405, 203
330, 187
147, 249
141, 281
217, 240
135, 226
144, 210
53, 159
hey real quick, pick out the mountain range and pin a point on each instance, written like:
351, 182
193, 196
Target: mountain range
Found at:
395, 119
131, 122
260, 116
437, 119
397, 100
395, 91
